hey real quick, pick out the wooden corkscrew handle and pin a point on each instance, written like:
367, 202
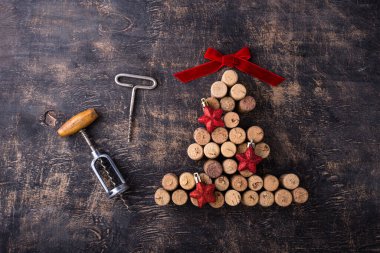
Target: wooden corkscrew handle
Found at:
78, 122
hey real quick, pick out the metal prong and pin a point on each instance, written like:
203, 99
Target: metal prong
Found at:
251, 143
204, 102
197, 178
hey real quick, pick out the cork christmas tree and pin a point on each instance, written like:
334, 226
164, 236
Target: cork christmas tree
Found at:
231, 157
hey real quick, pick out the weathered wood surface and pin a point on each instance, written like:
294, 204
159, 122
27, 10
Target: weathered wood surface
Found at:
322, 123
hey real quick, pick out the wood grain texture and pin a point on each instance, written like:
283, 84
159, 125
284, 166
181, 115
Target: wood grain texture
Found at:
322, 123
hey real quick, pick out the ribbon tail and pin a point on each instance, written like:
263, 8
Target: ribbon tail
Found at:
260, 73
196, 72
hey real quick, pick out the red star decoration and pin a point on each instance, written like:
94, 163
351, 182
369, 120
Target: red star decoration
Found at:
248, 160
211, 118
204, 193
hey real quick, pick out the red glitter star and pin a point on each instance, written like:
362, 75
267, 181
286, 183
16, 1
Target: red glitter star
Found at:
211, 118
204, 193
248, 160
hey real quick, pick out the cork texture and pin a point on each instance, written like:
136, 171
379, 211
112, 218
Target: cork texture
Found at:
238, 91
169, 182
229, 77
212, 168
222, 183
271, 183
213, 103
247, 104
229, 166
219, 200
255, 182
228, 149
161, 197
219, 89
237, 135
187, 181
266, 198
283, 197
231, 119
239, 183
219, 135
179, 197
201, 136
250, 198
232, 198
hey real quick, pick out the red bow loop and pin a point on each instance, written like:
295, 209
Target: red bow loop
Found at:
238, 60
243, 53
213, 55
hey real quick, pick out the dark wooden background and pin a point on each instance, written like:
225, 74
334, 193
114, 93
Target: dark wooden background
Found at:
322, 123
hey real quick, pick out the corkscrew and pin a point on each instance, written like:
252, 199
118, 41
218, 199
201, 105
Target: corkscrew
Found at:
134, 88
102, 165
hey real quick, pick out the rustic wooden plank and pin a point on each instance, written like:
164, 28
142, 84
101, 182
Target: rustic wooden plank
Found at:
322, 123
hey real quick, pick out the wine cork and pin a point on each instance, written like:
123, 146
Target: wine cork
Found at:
270, 183
283, 197
211, 150
247, 104
250, 198
232, 198
255, 134
266, 198
201, 136
187, 181
219, 200
170, 182
222, 183
255, 183
179, 197
300, 195
227, 104
231, 119
229, 77
290, 181
245, 173
238, 91
194, 201
195, 151
242, 148
213, 103
219, 135
161, 197
228, 149
213, 168
239, 183
229, 166
237, 135
205, 178
218, 89
262, 149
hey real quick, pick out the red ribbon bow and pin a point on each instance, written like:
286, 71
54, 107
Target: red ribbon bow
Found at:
237, 60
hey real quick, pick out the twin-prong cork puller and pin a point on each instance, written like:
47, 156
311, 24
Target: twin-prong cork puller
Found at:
101, 164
